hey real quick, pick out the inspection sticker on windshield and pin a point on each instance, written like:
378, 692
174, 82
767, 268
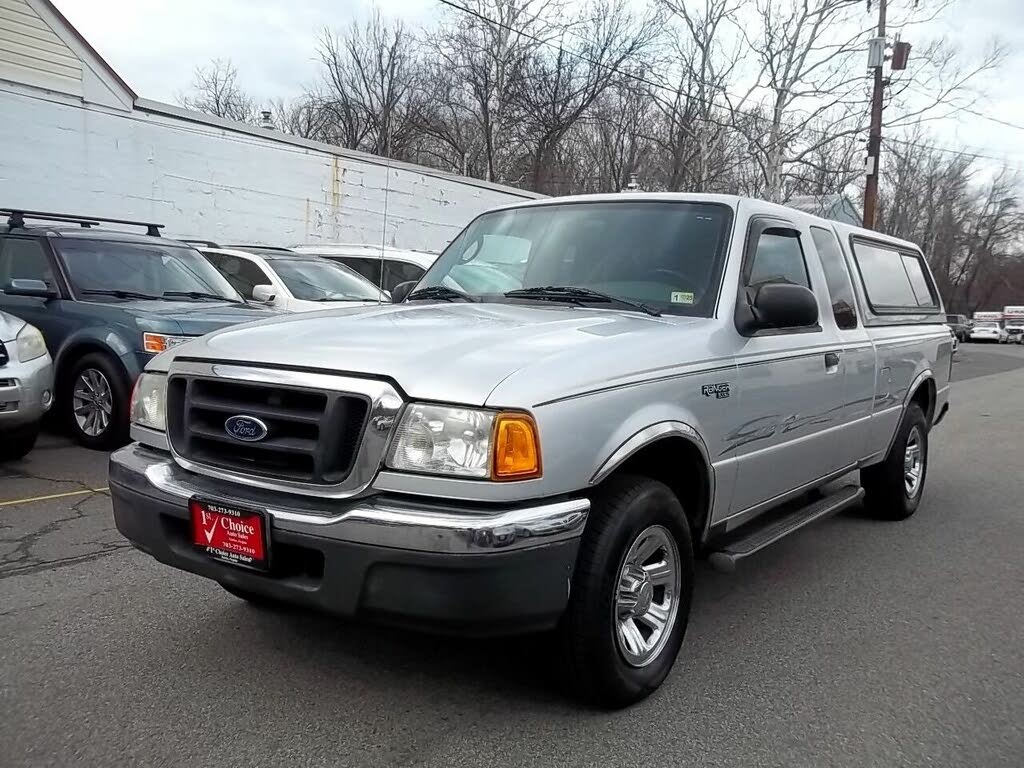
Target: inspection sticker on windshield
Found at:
681, 297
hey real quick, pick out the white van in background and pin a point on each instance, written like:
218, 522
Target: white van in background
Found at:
1013, 324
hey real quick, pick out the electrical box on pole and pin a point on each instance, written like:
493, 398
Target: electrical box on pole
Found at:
876, 52
900, 55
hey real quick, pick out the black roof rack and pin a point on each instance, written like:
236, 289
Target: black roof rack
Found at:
203, 243
17, 218
244, 246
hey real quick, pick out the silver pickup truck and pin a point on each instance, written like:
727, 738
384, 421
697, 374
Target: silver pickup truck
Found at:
668, 376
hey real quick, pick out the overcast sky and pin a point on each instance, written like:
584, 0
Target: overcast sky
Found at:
155, 45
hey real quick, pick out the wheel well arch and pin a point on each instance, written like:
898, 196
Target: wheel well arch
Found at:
924, 395
75, 351
680, 463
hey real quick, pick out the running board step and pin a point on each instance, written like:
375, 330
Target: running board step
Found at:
725, 559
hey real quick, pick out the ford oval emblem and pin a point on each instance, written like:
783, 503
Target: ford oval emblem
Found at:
248, 429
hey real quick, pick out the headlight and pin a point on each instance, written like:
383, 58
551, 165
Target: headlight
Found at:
161, 342
149, 401
466, 442
30, 344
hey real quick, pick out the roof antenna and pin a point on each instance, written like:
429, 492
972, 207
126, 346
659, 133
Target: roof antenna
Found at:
384, 225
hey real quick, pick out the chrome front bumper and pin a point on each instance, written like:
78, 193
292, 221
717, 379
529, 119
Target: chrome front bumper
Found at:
418, 524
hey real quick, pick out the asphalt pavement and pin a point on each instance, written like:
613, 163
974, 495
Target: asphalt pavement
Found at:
852, 643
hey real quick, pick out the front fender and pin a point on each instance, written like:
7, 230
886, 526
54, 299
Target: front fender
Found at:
106, 340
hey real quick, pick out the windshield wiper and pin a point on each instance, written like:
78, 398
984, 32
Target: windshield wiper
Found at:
577, 295
118, 293
440, 292
200, 295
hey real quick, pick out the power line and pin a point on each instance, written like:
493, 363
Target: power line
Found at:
709, 103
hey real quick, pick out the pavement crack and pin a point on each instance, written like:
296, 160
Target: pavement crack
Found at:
21, 556
62, 562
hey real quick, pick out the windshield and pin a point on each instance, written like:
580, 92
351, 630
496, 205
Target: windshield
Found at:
987, 325
325, 281
666, 255
112, 266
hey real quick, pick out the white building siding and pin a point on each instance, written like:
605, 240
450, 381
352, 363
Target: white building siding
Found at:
202, 180
33, 54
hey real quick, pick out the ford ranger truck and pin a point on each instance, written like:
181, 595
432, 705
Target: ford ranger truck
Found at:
553, 457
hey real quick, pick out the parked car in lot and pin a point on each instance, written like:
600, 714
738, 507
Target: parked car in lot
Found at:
960, 326
293, 282
384, 267
1013, 324
26, 385
988, 330
106, 302
390, 267
668, 369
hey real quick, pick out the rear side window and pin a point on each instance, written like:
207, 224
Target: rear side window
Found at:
840, 289
368, 268
893, 280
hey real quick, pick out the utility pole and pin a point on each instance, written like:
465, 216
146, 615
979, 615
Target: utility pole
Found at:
875, 136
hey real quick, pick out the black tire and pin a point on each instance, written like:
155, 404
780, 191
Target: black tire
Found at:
260, 601
18, 442
886, 485
593, 660
116, 432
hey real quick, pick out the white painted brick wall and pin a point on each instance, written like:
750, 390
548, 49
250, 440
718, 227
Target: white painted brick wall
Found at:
209, 182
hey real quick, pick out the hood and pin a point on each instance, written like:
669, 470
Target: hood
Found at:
10, 326
194, 318
458, 352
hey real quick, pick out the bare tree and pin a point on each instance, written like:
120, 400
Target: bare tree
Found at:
303, 116
215, 91
372, 82
563, 79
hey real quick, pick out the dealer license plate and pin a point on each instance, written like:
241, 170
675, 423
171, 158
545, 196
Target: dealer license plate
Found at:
232, 535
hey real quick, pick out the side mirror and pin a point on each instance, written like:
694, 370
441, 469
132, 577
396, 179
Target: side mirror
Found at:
781, 305
402, 290
35, 288
263, 293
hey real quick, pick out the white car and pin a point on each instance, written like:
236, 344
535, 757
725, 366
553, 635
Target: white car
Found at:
294, 282
987, 330
501, 269
384, 267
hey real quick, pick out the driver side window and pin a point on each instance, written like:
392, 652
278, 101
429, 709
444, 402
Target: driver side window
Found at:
22, 259
243, 274
778, 259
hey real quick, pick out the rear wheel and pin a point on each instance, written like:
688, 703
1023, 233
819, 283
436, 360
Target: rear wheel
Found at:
96, 402
631, 593
893, 488
18, 442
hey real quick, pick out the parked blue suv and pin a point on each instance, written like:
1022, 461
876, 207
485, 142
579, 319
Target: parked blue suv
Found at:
106, 302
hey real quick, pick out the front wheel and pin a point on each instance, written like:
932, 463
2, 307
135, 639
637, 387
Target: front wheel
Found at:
96, 402
893, 488
631, 592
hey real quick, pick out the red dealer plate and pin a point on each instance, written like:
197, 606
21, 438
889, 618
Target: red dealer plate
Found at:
233, 535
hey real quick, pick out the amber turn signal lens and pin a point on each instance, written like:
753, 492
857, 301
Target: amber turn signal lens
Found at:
516, 448
154, 342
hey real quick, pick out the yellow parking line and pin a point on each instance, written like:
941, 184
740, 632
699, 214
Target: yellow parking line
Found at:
30, 499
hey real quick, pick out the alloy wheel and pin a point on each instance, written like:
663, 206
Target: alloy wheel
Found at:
92, 401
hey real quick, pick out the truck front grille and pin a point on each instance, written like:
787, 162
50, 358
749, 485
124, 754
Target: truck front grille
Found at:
313, 435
